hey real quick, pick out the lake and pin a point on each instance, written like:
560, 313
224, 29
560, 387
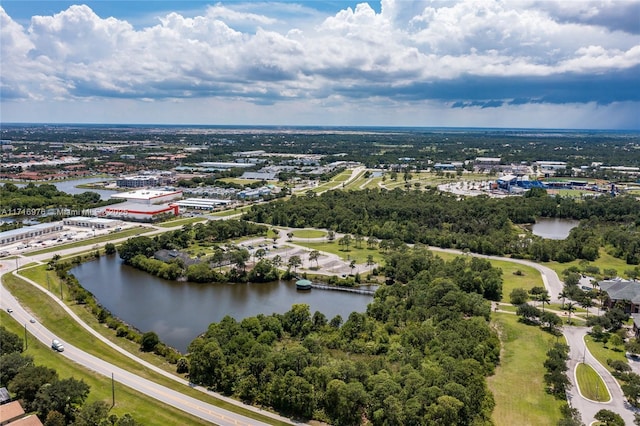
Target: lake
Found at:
178, 312
553, 228
69, 186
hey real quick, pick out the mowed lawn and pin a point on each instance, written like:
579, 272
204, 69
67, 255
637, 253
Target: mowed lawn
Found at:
518, 384
591, 384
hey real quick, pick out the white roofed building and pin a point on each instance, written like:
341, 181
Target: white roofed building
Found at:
147, 196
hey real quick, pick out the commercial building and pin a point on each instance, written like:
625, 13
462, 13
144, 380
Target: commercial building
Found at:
140, 212
619, 290
550, 167
91, 222
147, 196
258, 176
202, 203
28, 232
144, 181
219, 165
254, 194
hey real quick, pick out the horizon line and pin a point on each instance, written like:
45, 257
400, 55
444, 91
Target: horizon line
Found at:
324, 126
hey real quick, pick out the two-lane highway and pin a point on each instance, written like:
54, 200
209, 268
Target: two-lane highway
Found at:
203, 410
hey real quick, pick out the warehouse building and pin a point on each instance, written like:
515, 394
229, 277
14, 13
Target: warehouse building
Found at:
202, 203
147, 196
28, 232
91, 222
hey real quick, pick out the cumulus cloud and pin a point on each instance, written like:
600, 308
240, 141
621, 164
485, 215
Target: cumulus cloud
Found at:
468, 53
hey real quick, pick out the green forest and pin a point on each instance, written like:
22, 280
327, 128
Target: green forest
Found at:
419, 355
478, 224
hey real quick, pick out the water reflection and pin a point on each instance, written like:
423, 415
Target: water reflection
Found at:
553, 228
178, 312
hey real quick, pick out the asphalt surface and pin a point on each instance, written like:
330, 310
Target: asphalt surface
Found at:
579, 353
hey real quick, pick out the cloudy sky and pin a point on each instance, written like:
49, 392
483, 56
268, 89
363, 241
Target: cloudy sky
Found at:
480, 63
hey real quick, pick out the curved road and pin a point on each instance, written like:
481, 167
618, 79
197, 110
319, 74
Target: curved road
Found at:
579, 353
203, 410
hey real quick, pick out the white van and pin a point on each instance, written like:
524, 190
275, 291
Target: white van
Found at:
57, 346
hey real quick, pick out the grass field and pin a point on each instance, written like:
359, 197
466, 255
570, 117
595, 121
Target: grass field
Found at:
51, 315
231, 212
309, 233
181, 222
604, 261
602, 353
591, 384
518, 384
145, 410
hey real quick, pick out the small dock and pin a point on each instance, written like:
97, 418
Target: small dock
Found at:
367, 291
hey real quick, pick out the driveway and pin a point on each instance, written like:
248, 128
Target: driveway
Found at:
578, 353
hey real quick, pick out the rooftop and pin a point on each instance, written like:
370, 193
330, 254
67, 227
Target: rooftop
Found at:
24, 229
619, 289
144, 194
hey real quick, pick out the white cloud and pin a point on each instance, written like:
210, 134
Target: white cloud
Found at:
354, 57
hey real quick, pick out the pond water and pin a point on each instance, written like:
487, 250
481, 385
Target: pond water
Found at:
553, 228
178, 312
69, 186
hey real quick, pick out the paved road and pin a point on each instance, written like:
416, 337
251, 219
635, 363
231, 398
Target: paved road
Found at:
550, 279
578, 353
163, 394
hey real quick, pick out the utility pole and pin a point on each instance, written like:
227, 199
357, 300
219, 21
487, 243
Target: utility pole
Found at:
113, 392
26, 344
61, 298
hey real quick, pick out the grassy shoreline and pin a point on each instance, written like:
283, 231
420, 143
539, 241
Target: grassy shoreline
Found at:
52, 316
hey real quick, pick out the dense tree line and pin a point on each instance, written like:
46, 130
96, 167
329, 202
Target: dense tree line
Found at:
211, 232
473, 275
556, 366
479, 224
139, 252
56, 401
419, 355
34, 200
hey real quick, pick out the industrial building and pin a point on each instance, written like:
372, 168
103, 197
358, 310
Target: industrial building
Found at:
144, 181
28, 232
91, 222
147, 196
202, 203
143, 205
140, 211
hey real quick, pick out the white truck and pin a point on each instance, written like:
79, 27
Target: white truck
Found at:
56, 345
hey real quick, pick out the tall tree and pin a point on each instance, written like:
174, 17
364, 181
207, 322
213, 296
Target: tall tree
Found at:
294, 262
313, 256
